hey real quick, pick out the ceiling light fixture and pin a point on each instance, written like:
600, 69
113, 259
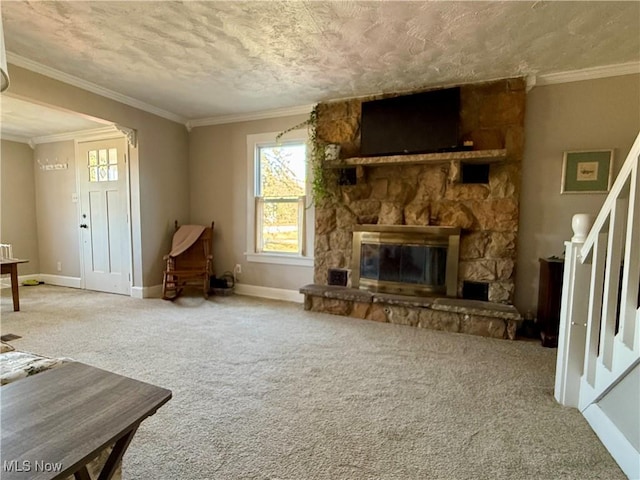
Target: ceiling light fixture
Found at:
4, 73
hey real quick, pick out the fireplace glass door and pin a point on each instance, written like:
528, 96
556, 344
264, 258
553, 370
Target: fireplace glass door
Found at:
405, 262
415, 264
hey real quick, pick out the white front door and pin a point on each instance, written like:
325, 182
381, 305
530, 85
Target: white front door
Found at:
102, 175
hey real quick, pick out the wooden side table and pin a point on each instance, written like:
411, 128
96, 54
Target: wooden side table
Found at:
10, 267
549, 297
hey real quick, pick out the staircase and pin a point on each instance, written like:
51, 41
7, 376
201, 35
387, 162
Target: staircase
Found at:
598, 363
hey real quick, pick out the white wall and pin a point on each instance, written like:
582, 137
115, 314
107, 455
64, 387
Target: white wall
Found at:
218, 185
591, 114
18, 204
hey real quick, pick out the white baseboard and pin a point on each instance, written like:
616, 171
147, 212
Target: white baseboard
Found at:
60, 280
268, 292
154, 291
627, 457
137, 292
6, 281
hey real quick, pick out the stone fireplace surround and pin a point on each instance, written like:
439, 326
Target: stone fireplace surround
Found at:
430, 193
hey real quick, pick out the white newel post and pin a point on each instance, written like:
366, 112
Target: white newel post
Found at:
573, 317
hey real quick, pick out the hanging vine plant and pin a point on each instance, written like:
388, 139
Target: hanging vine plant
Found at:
322, 178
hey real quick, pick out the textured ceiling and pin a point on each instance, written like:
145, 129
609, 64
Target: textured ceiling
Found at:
25, 120
200, 59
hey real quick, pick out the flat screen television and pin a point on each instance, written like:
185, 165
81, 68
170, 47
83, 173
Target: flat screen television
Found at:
424, 122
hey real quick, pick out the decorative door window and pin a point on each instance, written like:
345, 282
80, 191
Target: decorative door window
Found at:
103, 165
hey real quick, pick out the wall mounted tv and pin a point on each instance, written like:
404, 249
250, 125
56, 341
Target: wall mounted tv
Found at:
424, 122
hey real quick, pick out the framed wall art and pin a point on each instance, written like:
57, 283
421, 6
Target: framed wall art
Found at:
588, 171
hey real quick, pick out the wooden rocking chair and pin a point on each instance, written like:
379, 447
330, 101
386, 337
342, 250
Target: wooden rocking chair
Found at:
190, 262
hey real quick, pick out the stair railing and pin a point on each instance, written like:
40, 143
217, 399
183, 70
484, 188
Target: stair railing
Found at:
599, 338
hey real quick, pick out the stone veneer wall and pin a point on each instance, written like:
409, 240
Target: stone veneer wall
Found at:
492, 115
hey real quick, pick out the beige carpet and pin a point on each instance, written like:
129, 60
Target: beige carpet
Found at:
264, 390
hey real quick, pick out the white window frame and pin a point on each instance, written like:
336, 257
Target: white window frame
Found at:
252, 255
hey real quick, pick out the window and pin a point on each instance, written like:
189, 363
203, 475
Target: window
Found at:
280, 197
103, 165
279, 213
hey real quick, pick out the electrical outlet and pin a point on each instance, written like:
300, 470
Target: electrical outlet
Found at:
59, 266
237, 270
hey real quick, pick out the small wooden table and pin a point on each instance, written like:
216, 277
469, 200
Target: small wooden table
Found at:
54, 423
10, 266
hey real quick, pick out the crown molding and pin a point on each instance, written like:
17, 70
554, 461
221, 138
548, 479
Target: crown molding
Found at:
532, 81
36, 67
245, 117
588, 74
102, 132
14, 138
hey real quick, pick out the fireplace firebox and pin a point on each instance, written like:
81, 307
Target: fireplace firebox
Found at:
405, 259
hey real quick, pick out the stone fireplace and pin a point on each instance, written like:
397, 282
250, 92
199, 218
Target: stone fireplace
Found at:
421, 191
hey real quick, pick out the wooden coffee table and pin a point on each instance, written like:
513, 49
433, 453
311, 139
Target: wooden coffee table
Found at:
54, 423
